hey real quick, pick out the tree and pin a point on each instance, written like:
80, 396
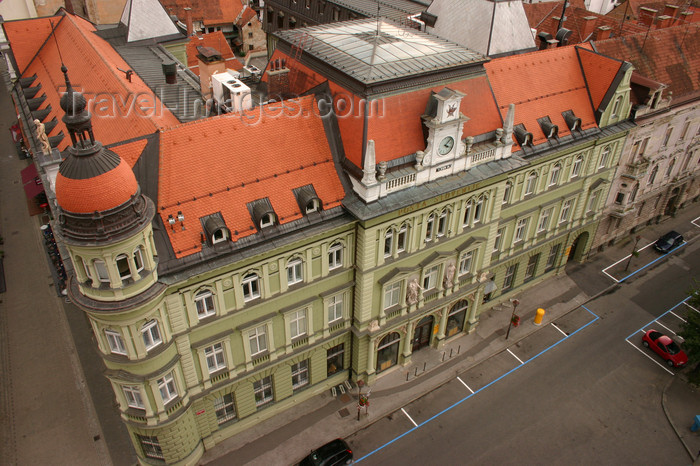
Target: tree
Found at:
690, 332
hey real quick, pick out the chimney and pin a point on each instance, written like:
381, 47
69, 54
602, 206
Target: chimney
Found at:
663, 21
603, 32
554, 24
170, 71
544, 38
278, 78
671, 10
188, 21
210, 62
647, 15
689, 17
588, 27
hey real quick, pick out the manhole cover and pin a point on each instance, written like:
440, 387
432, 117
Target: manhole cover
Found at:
345, 398
344, 412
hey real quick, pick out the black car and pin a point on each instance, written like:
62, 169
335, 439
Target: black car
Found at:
669, 241
334, 452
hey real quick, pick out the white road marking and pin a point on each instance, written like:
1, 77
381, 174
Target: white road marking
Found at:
624, 258
511, 353
671, 312
665, 327
695, 220
686, 303
650, 358
465, 385
562, 332
409, 417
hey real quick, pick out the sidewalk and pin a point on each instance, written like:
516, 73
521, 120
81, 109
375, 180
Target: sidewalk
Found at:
323, 417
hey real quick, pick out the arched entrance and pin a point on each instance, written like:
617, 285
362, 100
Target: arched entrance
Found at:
421, 335
672, 201
578, 246
388, 351
456, 317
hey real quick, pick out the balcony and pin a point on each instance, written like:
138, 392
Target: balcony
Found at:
636, 170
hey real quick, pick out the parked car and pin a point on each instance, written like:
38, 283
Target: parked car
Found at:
669, 241
665, 347
334, 452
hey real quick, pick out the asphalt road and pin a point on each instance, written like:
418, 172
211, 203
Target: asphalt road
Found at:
592, 397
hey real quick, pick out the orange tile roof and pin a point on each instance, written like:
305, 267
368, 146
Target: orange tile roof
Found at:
214, 40
120, 109
246, 15
600, 72
131, 151
239, 161
395, 124
27, 36
209, 12
540, 84
99, 193
541, 16
670, 56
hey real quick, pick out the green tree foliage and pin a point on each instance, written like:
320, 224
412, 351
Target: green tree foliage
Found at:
690, 332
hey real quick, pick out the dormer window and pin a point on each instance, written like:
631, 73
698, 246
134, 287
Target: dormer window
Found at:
572, 121
262, 213
549, 129
307, 199
215, 229
523, 137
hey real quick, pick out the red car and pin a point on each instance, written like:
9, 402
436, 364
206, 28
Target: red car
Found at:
665, 347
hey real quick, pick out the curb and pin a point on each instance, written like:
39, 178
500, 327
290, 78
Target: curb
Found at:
668, 417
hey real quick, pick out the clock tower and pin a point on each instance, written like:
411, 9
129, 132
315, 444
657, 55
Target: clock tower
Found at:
444, 122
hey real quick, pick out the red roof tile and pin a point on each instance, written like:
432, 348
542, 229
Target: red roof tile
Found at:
27, 36
120, 109
395, 123
541, 84
670, 56
600, 71
215, 40
240, 160
99, 193
131, 151
246, 15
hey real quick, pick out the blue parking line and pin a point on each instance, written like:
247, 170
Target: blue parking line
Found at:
479, 390
653, 262
645, 325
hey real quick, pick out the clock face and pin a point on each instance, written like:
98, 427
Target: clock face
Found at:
446, 145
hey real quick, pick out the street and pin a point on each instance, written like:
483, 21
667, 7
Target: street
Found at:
589, 398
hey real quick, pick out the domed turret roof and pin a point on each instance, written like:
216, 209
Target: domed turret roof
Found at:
95, 184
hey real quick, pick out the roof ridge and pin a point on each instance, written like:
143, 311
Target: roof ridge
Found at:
202, 121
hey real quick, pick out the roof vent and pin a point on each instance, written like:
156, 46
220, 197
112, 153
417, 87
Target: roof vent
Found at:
563, 36
170, 72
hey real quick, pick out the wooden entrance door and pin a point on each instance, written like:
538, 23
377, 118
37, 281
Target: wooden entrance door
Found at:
421, 336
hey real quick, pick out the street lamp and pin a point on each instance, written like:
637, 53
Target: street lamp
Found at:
510, 323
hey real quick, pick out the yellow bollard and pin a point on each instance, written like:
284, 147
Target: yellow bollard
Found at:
539, 316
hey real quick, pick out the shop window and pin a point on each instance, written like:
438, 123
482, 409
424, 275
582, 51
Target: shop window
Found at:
388, 351
457, 317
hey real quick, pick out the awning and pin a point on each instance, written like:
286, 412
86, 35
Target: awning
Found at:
33, 189
29, 173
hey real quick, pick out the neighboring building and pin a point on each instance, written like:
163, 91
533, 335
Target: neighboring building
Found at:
206, 16
251, 36
234, 266
214, 40
491, 28
659, 168
580, 25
